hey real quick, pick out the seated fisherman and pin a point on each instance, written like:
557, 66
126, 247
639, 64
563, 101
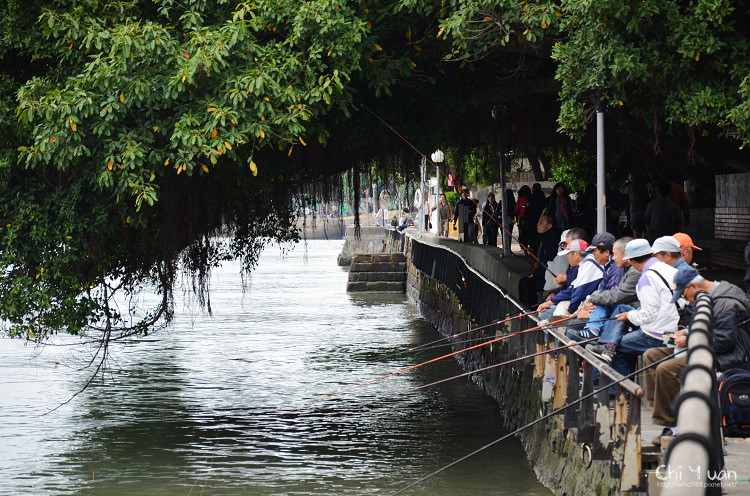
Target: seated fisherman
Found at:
731, 344
589, 275
559, 265
530, 286
667, 249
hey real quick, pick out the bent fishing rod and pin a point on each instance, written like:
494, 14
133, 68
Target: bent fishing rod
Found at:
412, 367
534, 422
500, 224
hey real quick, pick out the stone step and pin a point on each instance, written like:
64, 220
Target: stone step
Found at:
376, 287
378, 267
379, 257
399, 276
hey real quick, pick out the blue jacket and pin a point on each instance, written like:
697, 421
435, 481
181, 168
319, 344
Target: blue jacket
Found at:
612, 276
589, 276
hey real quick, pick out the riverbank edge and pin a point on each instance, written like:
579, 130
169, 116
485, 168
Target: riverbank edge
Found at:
552, 450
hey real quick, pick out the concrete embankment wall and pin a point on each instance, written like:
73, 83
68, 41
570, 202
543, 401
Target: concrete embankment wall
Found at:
371, 239
455, 297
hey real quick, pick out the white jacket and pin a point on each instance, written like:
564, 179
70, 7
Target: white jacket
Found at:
657, 314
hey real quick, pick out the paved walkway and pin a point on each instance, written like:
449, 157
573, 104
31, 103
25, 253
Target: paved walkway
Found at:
736, 456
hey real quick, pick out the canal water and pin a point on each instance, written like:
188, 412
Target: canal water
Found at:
194, 409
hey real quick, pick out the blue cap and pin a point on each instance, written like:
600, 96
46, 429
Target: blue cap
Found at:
601, 239
637, 248
682, 279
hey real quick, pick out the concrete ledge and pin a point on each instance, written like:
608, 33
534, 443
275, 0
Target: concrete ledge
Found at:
399, 276
378, 267
376, 287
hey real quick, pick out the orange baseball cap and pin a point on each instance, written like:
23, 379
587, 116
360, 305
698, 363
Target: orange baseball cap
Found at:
685, 241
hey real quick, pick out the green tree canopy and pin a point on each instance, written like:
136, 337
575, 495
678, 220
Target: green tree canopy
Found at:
143, 134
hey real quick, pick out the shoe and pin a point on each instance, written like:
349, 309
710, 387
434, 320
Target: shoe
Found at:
589, 332
667, 432
601, 352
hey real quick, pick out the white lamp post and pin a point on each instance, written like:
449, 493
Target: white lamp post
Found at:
437, 158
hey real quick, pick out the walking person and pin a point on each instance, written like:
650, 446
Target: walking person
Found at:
524, 193
637, 191
466, 209
491, 217
446, 215
534, 208
662, 216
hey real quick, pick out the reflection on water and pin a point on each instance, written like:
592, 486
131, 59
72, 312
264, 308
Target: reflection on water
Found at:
194, 409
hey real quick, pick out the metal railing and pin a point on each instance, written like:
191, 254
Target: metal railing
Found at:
697, 449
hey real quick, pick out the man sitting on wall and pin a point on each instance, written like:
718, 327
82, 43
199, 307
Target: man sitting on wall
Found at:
530, 286
560, 266
590, 273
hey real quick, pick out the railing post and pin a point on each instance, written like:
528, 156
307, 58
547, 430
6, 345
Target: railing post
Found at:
696, 444
572, 413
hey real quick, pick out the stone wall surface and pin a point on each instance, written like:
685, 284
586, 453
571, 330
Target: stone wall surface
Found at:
371, 240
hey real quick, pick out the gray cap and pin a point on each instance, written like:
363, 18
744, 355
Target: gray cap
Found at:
637, 248
665, 243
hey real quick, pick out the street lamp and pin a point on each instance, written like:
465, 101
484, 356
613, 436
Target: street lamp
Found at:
437, 158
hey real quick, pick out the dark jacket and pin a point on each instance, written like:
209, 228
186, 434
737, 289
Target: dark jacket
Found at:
537, 202
547, 251
731, 343
551, 209
492, 215
467, 203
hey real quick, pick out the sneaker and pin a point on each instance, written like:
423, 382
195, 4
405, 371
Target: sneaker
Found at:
601, 352
589, 332
667, 432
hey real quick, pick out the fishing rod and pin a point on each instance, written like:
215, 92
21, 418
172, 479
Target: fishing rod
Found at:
412, 367
432, 345
530, 424
500, 224
483, 369
542, 323
426, 345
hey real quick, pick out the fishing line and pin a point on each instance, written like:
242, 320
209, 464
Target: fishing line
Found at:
523, 246
483, 369
436, 344
575, 343
426, 345
412, 367
553, 412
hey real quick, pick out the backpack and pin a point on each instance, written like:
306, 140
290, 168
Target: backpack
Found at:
734, 402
